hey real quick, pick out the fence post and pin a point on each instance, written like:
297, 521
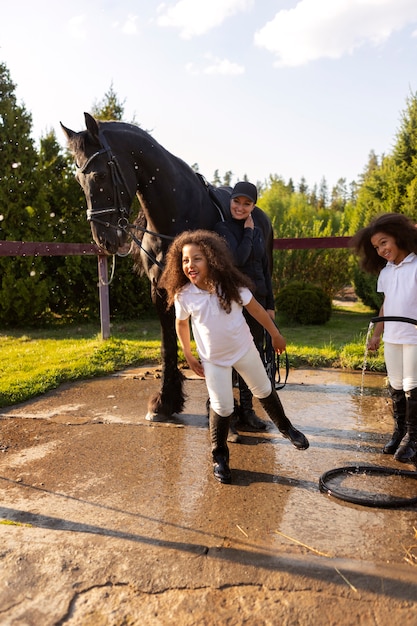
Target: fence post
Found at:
103, 290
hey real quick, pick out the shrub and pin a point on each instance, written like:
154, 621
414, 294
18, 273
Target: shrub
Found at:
304, 303
365, 288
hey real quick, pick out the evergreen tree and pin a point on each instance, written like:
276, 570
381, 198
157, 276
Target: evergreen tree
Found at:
312, 197
24, 286
217, 181
293, 215
73, 290
339, 195
291, 185
323, 193
110, 108
388, 186
303, 187
227, 179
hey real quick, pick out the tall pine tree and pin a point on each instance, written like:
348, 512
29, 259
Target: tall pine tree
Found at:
24, 285
388, 186
73, 279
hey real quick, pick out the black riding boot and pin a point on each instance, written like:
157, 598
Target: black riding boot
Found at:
247, 415
399, 405
407, 450
275, 410
219, 429
233, 436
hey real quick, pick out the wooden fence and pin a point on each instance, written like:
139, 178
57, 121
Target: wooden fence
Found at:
38, 248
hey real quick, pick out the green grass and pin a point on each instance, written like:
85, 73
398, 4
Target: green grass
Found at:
35, 361
339, 343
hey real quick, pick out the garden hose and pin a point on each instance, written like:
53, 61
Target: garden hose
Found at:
393, 318
384, 501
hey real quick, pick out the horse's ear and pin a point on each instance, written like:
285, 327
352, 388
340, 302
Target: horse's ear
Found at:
91, 125
67, 132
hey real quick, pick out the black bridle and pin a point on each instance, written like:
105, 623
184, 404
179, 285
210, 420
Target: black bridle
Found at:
118, 183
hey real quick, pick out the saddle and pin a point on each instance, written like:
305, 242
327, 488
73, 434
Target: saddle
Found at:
220, 197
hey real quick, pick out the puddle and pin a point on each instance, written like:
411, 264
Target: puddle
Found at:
158, 484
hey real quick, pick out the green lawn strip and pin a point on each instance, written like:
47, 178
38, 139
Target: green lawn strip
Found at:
35, 361
338, 343
34, 366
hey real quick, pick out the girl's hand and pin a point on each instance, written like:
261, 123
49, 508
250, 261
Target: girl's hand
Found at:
196, 366
278, 342
373, 344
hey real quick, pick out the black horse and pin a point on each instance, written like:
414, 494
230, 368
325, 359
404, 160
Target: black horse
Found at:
116, 161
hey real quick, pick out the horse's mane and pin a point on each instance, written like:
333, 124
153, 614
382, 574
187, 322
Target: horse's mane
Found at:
79, 141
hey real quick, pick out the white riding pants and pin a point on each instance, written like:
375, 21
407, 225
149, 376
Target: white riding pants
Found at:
401, 362
220, 386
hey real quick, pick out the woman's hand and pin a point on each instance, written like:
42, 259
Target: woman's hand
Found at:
249, 223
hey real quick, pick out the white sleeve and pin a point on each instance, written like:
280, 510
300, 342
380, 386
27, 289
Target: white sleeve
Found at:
246, 295
180, 312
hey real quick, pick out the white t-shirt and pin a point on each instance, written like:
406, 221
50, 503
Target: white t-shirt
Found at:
399, 285
221, 338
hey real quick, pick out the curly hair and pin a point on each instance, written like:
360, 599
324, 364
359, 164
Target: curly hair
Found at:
396, 225
223, 273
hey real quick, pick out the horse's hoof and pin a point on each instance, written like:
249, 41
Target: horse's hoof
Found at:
157, 417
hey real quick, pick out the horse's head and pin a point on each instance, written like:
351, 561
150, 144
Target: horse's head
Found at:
108, 186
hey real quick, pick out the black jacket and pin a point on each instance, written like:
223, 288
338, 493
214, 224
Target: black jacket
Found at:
249, 250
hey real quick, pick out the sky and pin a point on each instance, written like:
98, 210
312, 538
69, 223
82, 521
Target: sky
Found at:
289, 88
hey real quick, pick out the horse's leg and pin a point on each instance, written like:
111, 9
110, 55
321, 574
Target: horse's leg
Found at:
170, 398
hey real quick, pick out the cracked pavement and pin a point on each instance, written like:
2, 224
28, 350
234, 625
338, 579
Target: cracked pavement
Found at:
108, 519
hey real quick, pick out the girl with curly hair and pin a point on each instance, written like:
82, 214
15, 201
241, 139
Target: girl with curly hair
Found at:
388, 248
204, 286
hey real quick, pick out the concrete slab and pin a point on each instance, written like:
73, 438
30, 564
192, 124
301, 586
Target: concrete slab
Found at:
110, 519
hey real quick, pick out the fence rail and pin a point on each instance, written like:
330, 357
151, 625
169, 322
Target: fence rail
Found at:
40, 248
308, 243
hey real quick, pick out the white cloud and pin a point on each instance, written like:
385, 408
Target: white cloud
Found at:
129, 27
76, 27
317, 29
225, 68
196, 17
191, 68
216, 66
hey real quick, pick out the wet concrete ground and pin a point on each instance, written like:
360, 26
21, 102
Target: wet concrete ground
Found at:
110, 519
